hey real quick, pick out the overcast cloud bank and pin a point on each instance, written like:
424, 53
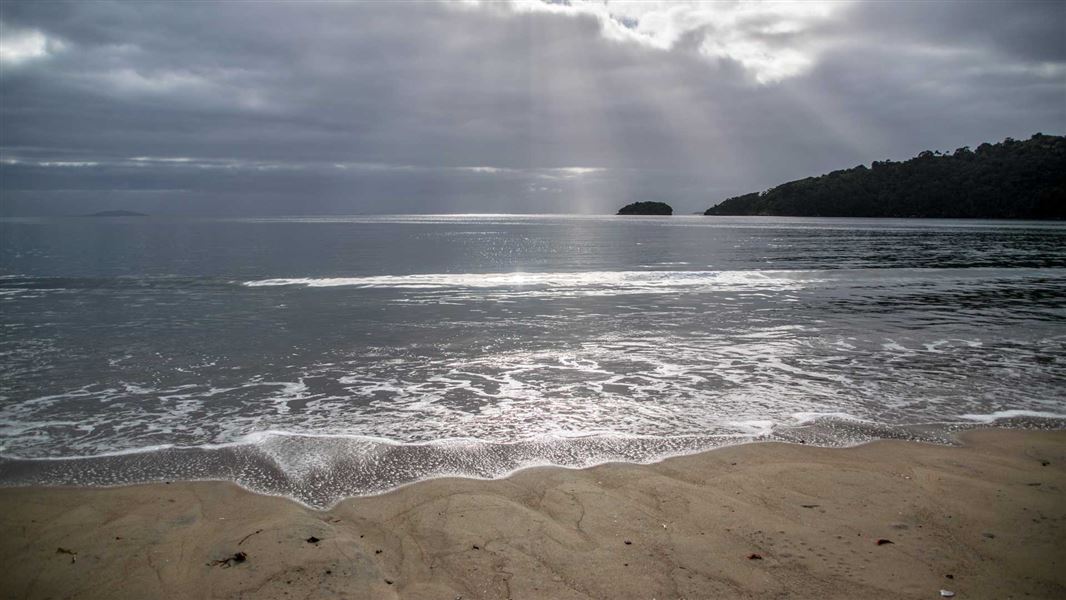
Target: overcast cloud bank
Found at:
287, 108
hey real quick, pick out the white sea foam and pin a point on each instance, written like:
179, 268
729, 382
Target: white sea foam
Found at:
754, 427
501, 286
1013, 414
804, 418
746, 383
618, 281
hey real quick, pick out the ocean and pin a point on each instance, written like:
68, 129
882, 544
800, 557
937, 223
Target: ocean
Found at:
326, 357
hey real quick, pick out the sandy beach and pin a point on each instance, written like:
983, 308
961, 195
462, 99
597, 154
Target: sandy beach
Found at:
984, 520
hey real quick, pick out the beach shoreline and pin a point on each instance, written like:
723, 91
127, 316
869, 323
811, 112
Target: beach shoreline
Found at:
753, 520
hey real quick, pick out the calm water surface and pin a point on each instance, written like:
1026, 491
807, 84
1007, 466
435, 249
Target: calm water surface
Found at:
324, 357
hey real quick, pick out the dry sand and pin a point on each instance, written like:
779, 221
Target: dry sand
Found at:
985, 520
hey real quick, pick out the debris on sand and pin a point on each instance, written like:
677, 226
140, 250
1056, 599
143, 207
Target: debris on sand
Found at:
243, 539
313, 540
883, 541
229, 561
73, 554
754, 556
947, 593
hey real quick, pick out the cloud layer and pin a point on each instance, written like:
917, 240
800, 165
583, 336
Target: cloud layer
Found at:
267, 108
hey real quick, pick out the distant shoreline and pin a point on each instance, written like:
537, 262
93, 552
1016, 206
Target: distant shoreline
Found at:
115, 213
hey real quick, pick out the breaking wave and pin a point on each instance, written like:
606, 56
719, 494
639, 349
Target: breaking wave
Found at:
319, 471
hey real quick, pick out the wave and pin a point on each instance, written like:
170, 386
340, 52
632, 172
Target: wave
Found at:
650, 277
650, 280
1013, 414
482, 286
319, 471
617, 280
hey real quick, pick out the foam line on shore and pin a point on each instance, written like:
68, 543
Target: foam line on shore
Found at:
320, 470
990, 418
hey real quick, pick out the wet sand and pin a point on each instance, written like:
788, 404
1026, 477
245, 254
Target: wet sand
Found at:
985, 520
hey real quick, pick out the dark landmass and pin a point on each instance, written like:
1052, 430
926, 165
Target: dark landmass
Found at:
1009, 180
646, 208
116, 213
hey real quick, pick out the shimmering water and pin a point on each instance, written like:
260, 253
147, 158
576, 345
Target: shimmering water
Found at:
319, 358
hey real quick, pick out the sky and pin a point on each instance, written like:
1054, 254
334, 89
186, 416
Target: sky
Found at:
274, 108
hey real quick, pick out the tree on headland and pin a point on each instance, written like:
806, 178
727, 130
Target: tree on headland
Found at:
1009, 180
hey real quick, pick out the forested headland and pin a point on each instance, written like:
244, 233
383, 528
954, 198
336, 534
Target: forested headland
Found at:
1009, 180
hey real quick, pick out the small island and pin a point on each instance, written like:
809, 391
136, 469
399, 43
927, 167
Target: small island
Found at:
116, 213
646, 208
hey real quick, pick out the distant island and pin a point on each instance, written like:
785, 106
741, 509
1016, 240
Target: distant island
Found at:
1009, 180
116, 213
646, 208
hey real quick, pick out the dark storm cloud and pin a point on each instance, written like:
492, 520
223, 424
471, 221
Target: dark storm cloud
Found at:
375, 107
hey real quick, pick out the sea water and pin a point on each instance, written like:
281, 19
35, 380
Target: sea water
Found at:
320, 358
